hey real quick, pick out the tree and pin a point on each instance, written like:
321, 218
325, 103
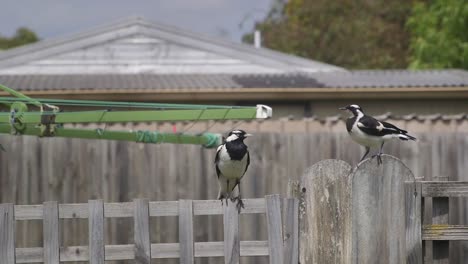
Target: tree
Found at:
22, 36
352, 34
439, 34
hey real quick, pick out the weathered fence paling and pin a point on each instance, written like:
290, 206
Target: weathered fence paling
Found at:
385, 223
142, 250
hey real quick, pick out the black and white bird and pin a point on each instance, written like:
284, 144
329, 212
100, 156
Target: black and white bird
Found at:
369, 132
232, 160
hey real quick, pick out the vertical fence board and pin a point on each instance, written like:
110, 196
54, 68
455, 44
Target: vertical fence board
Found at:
141, 232
51, 233
378, 211
291, 230
7, 233
186, 231
96, 232
413, 223
440, 210
231, 234
275, 233
325, 213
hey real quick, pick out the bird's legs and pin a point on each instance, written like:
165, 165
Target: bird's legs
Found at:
365, 154
240, 203
379, 155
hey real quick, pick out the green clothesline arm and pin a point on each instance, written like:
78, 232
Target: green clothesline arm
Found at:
209, 140
20, 96
104, 116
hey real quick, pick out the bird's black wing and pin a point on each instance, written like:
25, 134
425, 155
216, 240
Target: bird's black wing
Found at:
248, 163
373, 127
392, 127
218, 172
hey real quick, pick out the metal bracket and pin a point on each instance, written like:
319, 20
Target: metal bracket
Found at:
48, 125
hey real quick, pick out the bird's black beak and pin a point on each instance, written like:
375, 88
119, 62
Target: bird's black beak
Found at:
343, 108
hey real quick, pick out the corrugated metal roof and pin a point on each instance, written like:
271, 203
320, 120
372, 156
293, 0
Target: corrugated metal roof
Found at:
355, 79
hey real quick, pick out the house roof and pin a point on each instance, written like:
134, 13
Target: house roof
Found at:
183, 82
136, 46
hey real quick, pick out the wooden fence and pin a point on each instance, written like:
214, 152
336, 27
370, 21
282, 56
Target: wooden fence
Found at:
440, 232
341, 214
375, 214
281, 221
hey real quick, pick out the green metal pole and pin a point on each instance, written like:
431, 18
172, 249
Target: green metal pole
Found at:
136, 116
19, 95
209, 140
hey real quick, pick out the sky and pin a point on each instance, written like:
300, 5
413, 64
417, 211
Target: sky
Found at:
53, 18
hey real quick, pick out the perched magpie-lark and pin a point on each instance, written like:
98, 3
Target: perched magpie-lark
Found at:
232, 160
369, 132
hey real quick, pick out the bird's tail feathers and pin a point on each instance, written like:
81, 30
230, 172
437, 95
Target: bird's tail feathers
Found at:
406, 137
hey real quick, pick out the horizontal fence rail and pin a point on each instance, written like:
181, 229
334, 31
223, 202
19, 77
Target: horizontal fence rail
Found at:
439, 231
142, 250
444, 190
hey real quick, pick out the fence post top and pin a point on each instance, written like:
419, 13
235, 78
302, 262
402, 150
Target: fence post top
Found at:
388, 162
328, 165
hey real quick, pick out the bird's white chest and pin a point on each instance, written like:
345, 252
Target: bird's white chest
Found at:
364, 139
231, 169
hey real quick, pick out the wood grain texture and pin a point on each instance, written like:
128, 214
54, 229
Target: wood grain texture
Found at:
440, 216
51, 233
7, 233
325, 231
445, 232
445, 189
378, 211
291, 230
413, 218
231, 234
275, 230
96, 232
141, 231
127, 252
186, 242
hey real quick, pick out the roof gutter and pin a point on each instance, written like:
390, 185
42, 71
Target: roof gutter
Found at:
255, 94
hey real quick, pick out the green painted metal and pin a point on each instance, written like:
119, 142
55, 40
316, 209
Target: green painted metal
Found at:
19, 96
114, 104
103, 116
209, 140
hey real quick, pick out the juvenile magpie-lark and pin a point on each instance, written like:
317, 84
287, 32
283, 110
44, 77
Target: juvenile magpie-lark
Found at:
232, 160
369, 132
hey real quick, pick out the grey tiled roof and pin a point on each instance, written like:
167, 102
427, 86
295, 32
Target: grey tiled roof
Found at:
352, 79
394, 78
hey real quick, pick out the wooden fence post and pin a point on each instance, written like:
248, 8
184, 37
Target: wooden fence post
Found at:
413, 213
275, 230
7, 233
141, 231
96, 232
231, 234
186, 231
291, 230
440, 213
325, 213
51, 233
378, 211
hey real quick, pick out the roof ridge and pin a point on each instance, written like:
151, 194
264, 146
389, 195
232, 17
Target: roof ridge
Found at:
261, 56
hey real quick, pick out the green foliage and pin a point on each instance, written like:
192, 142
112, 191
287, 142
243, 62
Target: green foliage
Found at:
22, 36
439, 34
352, 34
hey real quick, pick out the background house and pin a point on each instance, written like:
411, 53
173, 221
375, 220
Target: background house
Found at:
136, 60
